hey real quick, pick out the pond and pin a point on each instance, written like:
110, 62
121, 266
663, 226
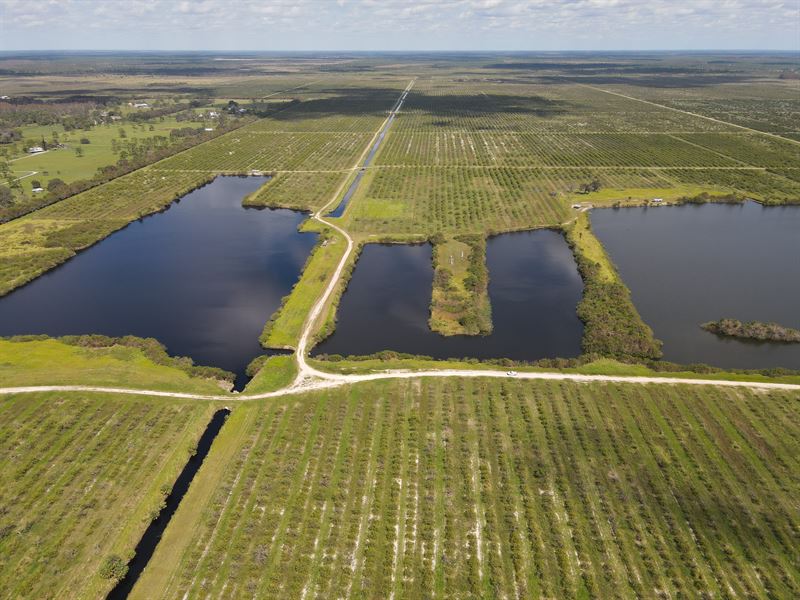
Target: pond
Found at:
202, 277
686, 265
534, 287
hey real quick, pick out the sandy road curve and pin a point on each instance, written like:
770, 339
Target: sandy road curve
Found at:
309, 378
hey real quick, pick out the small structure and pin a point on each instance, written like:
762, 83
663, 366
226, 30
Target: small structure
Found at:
36, 190
213, 114
35, 149
208, 129
658, 200
5, 97
141, 105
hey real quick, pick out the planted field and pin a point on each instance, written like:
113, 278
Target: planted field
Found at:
494, 488
430, 199
244, 150
81, 477
461, 148
298, 190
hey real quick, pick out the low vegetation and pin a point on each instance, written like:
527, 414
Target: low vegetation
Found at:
494, 488
82, 477
753, 330
104, 361
460, 295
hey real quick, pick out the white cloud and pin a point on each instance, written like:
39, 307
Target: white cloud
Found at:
401, 24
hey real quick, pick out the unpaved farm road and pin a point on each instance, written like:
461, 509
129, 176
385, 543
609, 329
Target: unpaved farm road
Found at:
332, 380
309, 378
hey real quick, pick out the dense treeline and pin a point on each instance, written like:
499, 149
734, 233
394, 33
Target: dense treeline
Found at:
612, 325
753, 330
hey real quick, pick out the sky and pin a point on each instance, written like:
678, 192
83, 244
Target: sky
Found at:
340, 25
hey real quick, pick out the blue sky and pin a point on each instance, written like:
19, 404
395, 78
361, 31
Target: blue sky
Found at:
399, 24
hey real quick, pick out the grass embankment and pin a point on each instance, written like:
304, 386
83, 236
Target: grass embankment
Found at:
754, 330
82, 477
271, 373
101, 361
612, 325
460, 297
285, 327
493, 488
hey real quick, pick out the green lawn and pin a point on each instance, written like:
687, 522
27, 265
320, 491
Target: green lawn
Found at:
66, 165
51, 362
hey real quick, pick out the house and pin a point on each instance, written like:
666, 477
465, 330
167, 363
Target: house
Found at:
35, 149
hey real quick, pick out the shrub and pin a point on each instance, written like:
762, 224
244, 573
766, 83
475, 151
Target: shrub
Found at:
114, 568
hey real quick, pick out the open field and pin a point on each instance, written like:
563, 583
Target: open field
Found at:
82, 476
51, 361
490, 489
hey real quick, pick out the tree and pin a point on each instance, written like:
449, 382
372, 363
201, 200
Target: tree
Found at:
6, 197
36, 183
78, 151
85, 141
55, 184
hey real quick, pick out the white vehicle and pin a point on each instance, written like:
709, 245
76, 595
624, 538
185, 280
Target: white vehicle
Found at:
511, 373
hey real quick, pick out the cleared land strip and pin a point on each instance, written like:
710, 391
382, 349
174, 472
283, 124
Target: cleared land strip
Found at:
686, 112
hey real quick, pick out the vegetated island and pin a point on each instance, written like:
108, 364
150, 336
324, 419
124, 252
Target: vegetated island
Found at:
754, 330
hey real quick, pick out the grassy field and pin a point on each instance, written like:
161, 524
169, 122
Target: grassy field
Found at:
493, 489
81, 478
66, 165
52, 362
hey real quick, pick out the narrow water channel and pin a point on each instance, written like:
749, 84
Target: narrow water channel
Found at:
686, 265
534, 288
339, 210
203, 278
152, 535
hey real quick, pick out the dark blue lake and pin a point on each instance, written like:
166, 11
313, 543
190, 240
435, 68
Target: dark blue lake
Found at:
686, 265
534, 287
203, 278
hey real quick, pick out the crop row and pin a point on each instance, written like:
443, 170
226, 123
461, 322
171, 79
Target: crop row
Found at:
430, 199
537, 108
297, 190
76, 472
245, 150
585, 150
479, 488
